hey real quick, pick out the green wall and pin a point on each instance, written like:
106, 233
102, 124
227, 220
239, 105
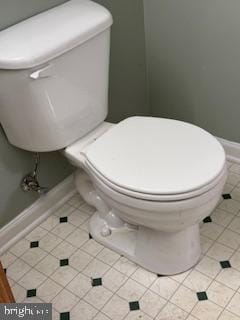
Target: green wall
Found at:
193, 58
128, 96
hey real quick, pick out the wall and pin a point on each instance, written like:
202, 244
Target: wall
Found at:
128, 83
193, 52
128, 96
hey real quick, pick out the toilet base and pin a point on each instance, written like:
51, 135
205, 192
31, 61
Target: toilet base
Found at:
164, 253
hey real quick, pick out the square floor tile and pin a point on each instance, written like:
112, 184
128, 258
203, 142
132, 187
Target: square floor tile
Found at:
84, 309
31, 293
151, 303
92, 247
131, 290
36, 234
206, 243
211, 230
235, 260
64, 301
234, 305
77, 217
64, 275
79, 260
184, 298
62, 249
48, 265
114, 279
230, 205
235, 225
48, 290
220, 252
125, 266
220, 294
64, 211
98, 296
230, 239
202, 296
96, 282
197, 281
222, 217
7, 259
19, 248
34, 244
63, 219
225, 264
32, 279
33, 256
206, 310
19, 293
17, 269
96, 269
80, 285
165, 287
208, 266
49, 242
50, 223
64, 262
77, 238
180, 277
108, 256
230, 278
65, 316
226, 315
134, 305
144, 277
172, 312
76, 200
116, 308
62, 230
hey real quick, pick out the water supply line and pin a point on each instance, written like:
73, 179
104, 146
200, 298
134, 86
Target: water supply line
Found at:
30, 181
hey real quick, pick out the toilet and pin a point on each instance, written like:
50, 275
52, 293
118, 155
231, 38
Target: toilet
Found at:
151, 180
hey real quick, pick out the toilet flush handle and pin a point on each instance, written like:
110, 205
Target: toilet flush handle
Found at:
44, 72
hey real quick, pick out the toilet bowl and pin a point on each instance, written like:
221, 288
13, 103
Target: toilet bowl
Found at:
153, 223
151, 180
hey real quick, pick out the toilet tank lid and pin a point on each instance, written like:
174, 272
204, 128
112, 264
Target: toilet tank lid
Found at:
49, 34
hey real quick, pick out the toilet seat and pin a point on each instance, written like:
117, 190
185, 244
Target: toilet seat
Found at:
146, 158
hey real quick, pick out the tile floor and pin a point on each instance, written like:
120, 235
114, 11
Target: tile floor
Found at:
59, 262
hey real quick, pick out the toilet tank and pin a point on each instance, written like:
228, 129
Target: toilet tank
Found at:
54, 75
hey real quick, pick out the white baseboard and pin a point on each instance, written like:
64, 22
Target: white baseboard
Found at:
35, 214
232, 149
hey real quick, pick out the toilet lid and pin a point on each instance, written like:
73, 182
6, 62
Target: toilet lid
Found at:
157, 156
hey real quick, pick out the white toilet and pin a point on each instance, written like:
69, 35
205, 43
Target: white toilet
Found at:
151, 180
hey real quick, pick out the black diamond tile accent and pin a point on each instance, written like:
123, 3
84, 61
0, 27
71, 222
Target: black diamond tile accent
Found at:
134, 305
31, 293
64, 262
63, 219
65, 316
96, 282
160, 275
225, 264
34, 244
226, 196
90, 236
207, 219
202, 296
5, 270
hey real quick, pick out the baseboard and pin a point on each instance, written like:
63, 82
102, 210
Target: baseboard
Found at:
232, 149
35, 214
